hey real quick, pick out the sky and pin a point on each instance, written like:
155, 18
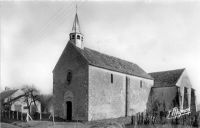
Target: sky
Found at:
156, 35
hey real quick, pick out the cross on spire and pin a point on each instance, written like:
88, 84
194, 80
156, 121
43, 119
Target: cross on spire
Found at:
76, 8
76, 26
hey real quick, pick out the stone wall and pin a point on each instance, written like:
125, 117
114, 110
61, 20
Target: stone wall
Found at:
162, 99
75, 91
138, 94
117, 99
184, 84
166, 96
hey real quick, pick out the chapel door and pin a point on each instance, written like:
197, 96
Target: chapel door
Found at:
69, 110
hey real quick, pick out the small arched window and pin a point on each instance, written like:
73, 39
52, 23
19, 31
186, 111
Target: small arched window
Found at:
141, 84
111, 78
78, 36
69, 77
73, 36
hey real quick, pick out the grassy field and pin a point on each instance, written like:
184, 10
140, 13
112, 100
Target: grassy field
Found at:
48, 124
42, 124
6, 125
160, 126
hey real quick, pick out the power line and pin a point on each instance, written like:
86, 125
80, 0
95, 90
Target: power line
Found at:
52, 20
63, 18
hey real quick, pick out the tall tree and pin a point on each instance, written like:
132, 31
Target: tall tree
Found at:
31, 95
46, 102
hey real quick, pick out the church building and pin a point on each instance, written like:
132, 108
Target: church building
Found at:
89, 85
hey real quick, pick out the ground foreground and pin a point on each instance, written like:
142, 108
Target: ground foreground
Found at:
48, 124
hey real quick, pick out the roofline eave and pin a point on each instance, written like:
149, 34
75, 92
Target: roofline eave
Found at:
120, 72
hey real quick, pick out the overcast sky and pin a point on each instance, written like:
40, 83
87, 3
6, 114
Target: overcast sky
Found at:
155, 35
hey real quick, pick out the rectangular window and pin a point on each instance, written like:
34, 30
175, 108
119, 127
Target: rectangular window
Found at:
127, 93
111, 78
193, 97
185, 102
140, 83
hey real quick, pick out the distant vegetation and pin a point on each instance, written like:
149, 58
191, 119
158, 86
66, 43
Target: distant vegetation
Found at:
46, 103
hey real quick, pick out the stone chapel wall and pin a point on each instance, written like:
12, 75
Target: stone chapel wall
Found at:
75, 91
108, 100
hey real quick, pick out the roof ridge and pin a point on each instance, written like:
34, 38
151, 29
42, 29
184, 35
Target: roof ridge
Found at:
167, 78
167, 71
7, 93
10, 90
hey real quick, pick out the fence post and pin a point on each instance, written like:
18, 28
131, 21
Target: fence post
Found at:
21, 116
142, 118
17, 115
13, 115
136, 119
40, 115
8, 114
132, 119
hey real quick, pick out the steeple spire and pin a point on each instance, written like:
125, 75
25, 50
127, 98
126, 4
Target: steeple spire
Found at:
76, 25
76, 36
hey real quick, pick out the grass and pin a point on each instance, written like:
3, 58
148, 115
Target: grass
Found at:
48, 124
6, 125
98, 124
160, 126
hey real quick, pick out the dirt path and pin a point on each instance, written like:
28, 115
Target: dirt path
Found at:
6, 125
48, 124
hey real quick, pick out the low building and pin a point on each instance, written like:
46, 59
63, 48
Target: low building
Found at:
13, 100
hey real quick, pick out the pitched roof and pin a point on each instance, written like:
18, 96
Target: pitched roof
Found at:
7, 93
112, 63
166, 78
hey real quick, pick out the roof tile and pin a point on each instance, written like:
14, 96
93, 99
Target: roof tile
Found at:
7, 93
166, 78
112, 63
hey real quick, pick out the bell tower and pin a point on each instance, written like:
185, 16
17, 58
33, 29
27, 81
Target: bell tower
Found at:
76, 37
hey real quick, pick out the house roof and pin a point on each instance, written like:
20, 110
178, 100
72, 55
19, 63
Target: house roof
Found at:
112, 63
7, 93
166, 78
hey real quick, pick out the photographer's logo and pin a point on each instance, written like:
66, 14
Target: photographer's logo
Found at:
176, 113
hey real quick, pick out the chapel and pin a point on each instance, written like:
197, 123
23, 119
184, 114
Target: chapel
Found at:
90, 85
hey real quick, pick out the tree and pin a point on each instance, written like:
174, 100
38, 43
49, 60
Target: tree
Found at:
31, 95
46, 102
